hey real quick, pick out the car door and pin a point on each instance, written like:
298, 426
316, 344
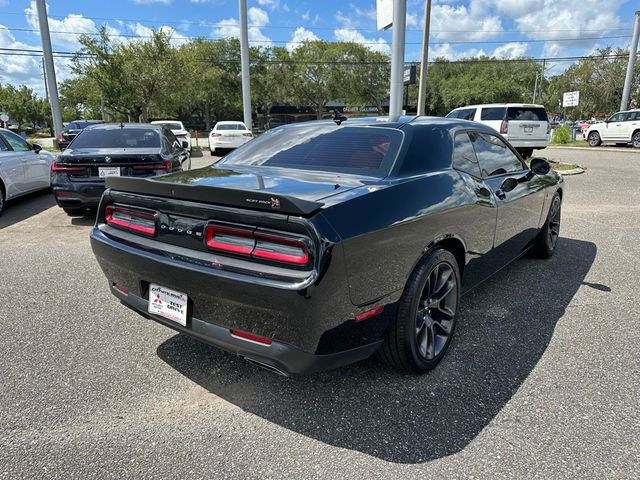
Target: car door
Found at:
631, 124
35, 166
11, 169
520, 200
615, 127
478, 221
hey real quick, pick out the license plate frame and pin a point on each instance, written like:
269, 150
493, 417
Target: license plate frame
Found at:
168, 303
104, 172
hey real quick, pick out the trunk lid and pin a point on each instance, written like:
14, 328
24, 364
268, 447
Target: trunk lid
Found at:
128, 161
527, 123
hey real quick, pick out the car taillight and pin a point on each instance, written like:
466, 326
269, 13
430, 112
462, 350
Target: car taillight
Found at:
504, 126
281, 249
61, 137
135, 220
165, 165
257, 244
229, 239
248, 134
56, 167
214, 134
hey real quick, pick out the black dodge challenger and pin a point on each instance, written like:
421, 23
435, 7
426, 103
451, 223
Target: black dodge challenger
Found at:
316, 245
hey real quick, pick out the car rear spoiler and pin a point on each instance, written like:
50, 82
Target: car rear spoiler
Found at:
250, 199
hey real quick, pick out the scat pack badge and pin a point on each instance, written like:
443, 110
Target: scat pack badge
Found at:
274, 203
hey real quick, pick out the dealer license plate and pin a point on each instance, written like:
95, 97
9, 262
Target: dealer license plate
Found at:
108, 172
528, 129
168, 304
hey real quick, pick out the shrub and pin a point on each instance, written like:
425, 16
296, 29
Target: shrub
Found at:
562, 135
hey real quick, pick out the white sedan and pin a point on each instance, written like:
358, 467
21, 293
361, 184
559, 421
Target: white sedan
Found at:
24, 168
177, 128
226, 135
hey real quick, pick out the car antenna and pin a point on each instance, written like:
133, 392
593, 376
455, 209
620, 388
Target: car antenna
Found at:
338, 117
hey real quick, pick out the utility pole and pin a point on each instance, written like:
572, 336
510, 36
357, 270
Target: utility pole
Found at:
628, 79
44, 77
50, 71
244, 62
397, 59
535, 87
422, 92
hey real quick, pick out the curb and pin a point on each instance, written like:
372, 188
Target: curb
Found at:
598, 149
574, 171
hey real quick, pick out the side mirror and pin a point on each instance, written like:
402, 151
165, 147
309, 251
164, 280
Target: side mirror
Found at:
509, 184
540, 166
36, 148
185, 144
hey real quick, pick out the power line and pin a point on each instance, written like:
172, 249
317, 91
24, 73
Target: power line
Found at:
465, 42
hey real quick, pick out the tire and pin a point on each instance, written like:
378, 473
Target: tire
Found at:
635, 139
526, 152
74, 212
547, 240
422, 331
2, 199
594, 139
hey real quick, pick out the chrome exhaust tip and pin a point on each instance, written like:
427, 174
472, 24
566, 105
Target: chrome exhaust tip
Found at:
266, 366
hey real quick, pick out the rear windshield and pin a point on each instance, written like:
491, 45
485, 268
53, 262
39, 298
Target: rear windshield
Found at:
173, 126
492, 113
364, 150
530, 114
117, 138
231, 126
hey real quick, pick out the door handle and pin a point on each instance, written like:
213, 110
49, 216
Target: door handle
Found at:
500, 194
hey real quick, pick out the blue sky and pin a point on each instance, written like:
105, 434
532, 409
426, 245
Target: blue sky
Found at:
459, 28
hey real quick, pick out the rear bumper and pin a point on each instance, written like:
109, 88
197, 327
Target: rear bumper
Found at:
70, 194
311, 325
523, 143
222, 142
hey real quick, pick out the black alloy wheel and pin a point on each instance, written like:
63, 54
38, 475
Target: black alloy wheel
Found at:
547, 240
436, 311
426, 315
594, 139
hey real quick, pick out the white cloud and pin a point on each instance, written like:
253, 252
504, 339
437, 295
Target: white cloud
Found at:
445, 50
145, 33
511, 50
60, 29
300, 35
459, 22
305, 15
257, 18
349, 35
269, 3
361, 12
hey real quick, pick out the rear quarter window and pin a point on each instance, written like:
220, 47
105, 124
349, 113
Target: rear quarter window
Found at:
493, 113
463, 114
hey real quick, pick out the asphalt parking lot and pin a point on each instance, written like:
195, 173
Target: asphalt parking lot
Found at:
542, 381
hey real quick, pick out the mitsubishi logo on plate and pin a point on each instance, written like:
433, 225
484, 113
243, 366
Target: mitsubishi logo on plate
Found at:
107, 159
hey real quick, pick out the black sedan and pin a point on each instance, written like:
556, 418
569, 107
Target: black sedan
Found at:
112, 150
316, 245
72, 130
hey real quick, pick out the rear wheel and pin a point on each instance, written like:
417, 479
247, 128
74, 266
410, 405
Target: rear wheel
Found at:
426, 317
635, 140
2, 199
594, 139
545, 245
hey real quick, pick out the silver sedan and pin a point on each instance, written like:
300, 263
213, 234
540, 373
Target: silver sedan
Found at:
24, 167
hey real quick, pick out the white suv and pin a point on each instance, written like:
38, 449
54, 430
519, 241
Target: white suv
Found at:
621, 127
526, 126
178, 130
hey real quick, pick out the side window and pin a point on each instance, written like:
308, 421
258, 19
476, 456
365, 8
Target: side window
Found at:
618, 117
494, 156
464, 157
173, 141
492, 113
3, 146
16, 142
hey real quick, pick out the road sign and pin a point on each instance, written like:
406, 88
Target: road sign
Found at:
409, 74
570, 99
384, 14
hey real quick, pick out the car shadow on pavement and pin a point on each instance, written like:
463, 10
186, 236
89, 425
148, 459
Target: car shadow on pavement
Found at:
25, 207
504, 328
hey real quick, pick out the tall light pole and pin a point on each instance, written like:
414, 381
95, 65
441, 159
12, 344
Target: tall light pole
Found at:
50, 71
244, 63
397, 59
422, 92
632, 60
